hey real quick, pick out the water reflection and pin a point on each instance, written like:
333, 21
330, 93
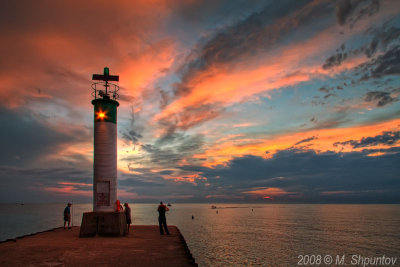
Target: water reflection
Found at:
270, 235
275, 235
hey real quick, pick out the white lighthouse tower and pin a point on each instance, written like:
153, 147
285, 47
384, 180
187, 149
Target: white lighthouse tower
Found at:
105, 142
106, 219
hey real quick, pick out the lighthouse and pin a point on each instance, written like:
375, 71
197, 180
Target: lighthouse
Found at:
106, 218
105, 141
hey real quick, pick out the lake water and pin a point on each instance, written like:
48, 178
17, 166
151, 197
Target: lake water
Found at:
249, 234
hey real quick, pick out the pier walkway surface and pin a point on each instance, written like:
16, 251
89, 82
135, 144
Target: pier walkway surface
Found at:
144, 246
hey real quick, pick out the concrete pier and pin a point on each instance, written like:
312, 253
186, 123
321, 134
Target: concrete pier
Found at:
103, 224
144, 246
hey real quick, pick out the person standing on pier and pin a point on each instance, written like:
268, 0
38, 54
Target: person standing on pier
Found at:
162, 220
67, 215
128, 215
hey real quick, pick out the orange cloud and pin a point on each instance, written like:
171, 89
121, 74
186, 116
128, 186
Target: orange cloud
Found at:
234, 82
151, 63
224, 150
377, 154
269, 192
57, 47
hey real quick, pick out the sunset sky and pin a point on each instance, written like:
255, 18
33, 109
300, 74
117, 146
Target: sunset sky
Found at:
220, 100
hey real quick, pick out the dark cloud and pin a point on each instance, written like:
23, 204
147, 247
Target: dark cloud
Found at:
190, 144
166, 172
306, 140
151, 186
325, 89
213, 12
372, 48
381, 98
328, 95
168, 153
25, 138
310, 174
170, 132
336, 119
387, 138
140, 181
131, 134
386, 64
186, 119
166, 157
164, 99
30, 161
383, 38
23, 184
350, 11
334, 61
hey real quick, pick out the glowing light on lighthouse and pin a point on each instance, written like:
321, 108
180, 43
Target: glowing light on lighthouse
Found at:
101, 115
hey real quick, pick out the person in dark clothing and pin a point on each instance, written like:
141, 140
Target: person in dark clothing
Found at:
128, 215
67, 216
162, 220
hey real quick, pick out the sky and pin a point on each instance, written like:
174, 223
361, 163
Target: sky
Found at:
221, 101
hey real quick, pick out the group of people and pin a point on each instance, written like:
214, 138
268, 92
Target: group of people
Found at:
162, 220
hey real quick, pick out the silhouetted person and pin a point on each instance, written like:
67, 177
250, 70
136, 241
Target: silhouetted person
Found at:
128, 215
67, 216
162, 220
192, 217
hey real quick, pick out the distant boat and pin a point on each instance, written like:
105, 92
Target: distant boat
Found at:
213, 207
169, 205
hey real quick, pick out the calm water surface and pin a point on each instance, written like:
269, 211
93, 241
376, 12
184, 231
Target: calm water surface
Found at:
246, 234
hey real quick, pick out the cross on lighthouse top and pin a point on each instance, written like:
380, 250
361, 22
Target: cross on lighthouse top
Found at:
110, 88
106, 76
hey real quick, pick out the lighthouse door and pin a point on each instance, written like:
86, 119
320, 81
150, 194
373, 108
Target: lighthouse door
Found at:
103, 193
